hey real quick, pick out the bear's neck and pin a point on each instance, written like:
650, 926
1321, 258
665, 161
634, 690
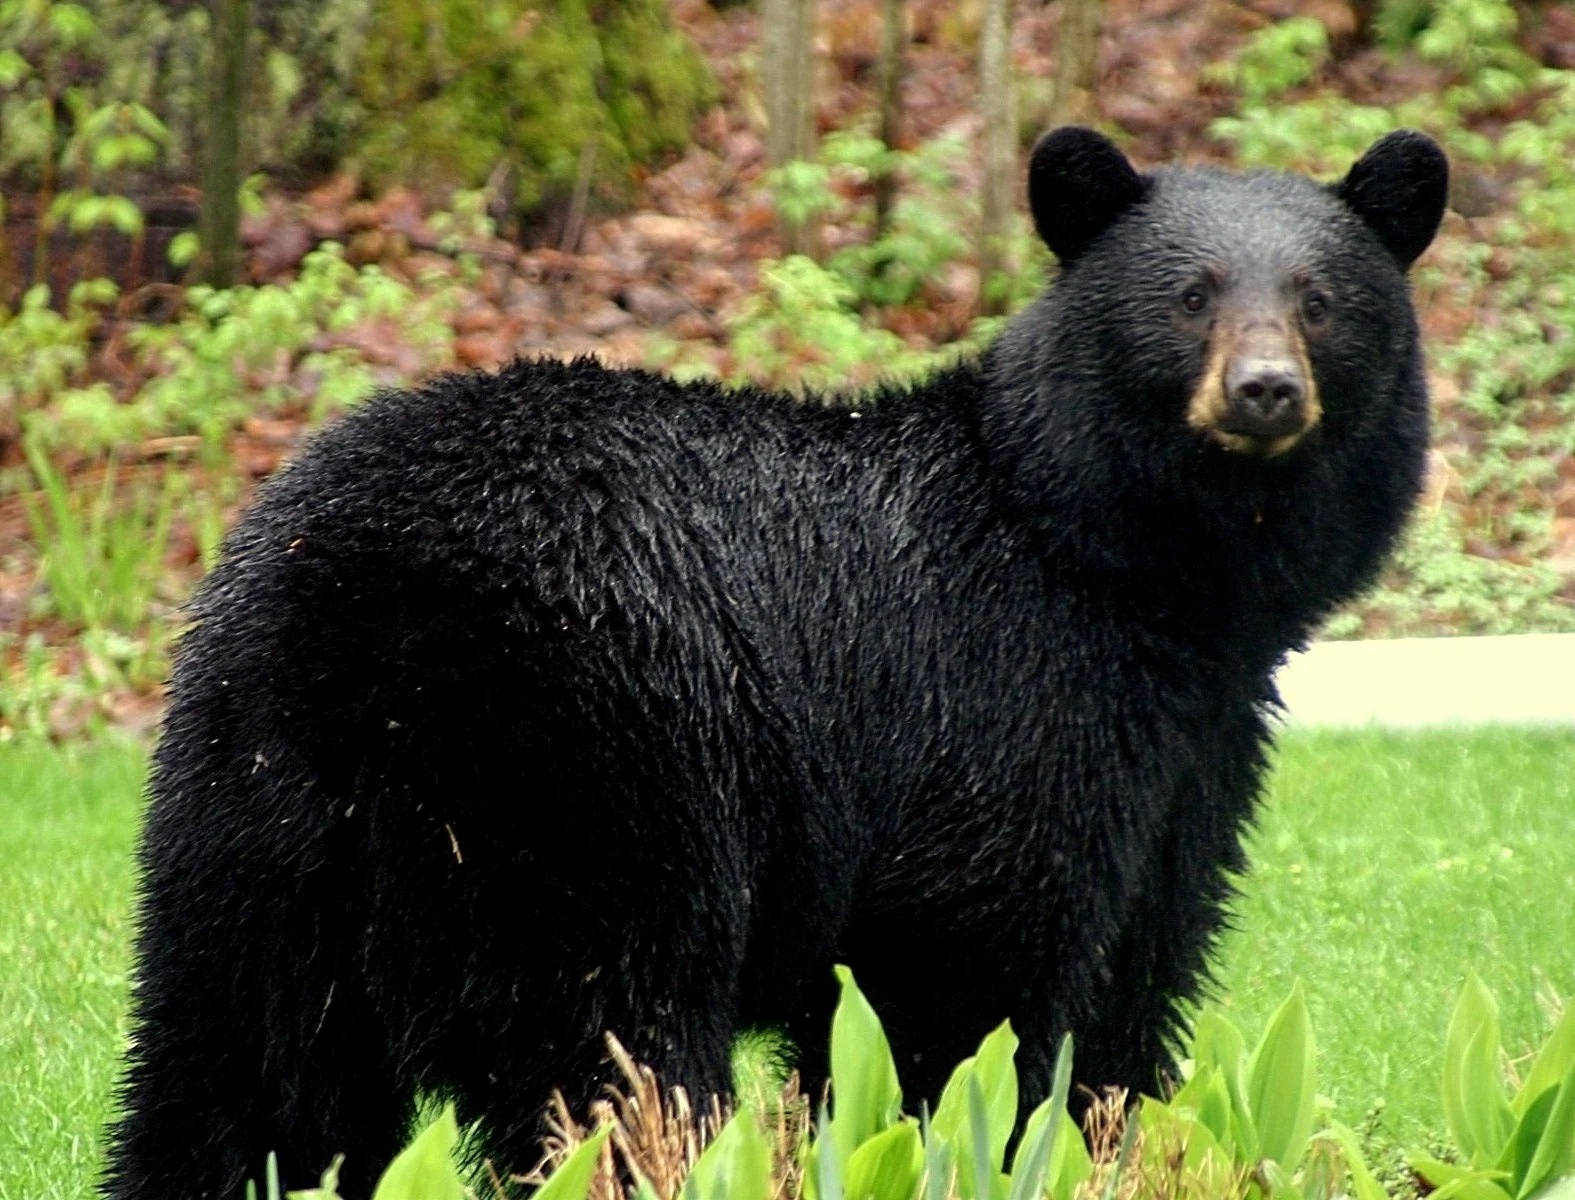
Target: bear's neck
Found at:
1246, 552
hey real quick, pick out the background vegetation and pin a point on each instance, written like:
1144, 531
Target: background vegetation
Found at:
450, 183
137, 412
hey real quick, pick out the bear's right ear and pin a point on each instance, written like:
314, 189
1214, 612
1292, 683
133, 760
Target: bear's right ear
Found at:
1078, 183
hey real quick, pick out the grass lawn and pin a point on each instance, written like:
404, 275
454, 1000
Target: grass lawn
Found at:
65, 896
1385, 865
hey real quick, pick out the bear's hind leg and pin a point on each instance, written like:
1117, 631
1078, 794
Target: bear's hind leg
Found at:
251, 1034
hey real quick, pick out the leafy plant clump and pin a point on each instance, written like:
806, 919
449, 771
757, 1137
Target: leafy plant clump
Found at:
1243, 1126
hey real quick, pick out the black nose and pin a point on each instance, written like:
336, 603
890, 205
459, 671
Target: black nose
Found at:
1265, 398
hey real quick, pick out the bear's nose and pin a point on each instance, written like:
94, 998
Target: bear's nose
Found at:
1264, 397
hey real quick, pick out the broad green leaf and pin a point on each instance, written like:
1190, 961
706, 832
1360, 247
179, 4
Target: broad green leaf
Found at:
1055, 1102
1470, 1187
1465, 1183
1280, 1083
1032, 1163
424, 1170
1521, 1148
1070, 1163
1552, 1062
1556, 1147
1066, 1160
865, 1095
887, 1167
1482, 1101
996, 1077
1475, 1012
1167, 1131
1559, 1189
1219, 1044
735, 1166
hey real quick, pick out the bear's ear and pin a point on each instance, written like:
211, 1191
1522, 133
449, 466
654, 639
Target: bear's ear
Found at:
1078, 183
1399, 188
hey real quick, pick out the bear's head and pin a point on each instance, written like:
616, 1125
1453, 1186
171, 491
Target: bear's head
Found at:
1253, 307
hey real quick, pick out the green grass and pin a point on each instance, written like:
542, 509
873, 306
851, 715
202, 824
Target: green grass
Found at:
67, 820
1385, 865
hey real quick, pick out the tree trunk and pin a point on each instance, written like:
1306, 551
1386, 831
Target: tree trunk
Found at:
1000, 150
787, 73
1077, 62
888, 83
220, 219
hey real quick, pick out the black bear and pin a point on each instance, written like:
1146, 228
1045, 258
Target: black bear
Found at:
528, 706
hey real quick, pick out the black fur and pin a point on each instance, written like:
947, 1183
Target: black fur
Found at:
528, 706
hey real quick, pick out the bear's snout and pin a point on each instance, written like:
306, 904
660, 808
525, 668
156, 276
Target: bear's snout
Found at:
1257, 395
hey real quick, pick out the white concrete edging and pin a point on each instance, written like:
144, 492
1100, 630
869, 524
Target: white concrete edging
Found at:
1517, 679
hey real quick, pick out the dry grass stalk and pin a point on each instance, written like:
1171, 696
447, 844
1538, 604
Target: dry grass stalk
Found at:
657, 1136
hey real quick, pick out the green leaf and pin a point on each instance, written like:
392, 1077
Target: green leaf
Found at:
1559, 1189
887, 1167
1552, 1062
1217, 1044
424, 1170
1071, 1165
1468, 1090
1556, 1147
1045, 1135
1280, 1083
865, 1095
992, 1070
735, 1166
1482, 1100
1464, 1183
1522, 1146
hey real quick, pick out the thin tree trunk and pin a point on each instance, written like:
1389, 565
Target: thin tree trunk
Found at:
1000, 149
1077, 62
787, 78
888, 83
219, 221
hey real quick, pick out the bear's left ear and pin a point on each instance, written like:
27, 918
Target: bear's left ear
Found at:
1078, 183
1399, 188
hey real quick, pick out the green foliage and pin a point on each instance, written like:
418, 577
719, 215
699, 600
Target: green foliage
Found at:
817, 327
865, 1149
42, 351
102, 557
735, 1166
1279, 57
1514, 1144
802, 331
551, 91
1244, 1122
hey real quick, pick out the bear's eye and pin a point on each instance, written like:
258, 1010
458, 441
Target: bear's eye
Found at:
1194, 300
1315, 307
